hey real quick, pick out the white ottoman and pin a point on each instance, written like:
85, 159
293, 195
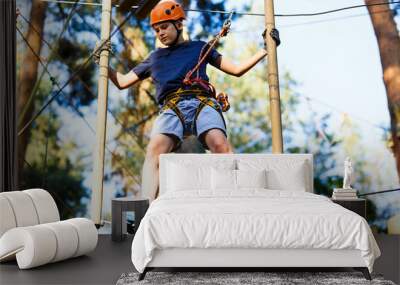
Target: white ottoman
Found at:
31, 230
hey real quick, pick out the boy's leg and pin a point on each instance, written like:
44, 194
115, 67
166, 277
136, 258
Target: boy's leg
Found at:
159, 143
165, 136
212, 132
217, 141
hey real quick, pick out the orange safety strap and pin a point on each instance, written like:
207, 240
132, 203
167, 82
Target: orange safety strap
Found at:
224, 31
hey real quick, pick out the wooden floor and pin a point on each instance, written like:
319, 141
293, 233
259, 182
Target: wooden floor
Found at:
110, 259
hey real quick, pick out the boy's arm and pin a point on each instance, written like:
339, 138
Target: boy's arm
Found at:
227, 66
238, 70
122, 81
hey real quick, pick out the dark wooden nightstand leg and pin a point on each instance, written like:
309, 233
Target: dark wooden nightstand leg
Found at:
140, 211
116, 222
364, 271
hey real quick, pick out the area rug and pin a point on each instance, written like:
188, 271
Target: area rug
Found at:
244, 278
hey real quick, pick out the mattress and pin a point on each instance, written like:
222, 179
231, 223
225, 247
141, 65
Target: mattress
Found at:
250, 219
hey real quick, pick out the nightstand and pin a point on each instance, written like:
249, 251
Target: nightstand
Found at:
358, 206
119, 207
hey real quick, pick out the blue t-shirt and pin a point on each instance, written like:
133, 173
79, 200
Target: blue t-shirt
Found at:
168, 66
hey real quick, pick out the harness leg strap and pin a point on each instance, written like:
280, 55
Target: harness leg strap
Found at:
206, 102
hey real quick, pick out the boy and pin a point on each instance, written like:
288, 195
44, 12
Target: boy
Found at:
168, 67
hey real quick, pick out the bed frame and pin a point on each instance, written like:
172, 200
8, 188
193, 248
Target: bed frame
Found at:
246, 259
250, 258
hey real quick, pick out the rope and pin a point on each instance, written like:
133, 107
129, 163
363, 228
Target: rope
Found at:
53, 192
317, 125
45, 172
76, 110
52, 50
107, 148
329, 20
295, 15
82, 3
133, 135
379, 192
98, 36
249, 13
224, 31
318, 21
79, 69
343, 112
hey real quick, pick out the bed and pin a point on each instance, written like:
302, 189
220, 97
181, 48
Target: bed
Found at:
246, 211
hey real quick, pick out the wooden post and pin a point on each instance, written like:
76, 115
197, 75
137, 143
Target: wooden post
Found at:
273, 79
98, 161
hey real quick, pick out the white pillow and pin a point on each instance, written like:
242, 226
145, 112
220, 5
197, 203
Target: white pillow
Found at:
223, 179
182, 177
293, 180
251, 178
237, 179
184, 174
282, 174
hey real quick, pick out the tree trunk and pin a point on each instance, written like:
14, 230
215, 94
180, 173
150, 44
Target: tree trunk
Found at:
389, 48
28, 74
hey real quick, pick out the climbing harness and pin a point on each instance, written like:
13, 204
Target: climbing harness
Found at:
172, 99
198, 88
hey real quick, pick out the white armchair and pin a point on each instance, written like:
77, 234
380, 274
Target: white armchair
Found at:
32, 233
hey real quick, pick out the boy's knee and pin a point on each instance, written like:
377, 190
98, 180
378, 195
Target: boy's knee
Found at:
158, 145
220, 146
153, 151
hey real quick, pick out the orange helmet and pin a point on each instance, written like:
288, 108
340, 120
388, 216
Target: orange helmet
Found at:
167, 10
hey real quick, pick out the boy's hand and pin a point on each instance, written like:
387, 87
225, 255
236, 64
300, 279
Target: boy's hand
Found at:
275, 36
97, 50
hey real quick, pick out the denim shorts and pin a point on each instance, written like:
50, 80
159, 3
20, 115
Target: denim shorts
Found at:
168, 123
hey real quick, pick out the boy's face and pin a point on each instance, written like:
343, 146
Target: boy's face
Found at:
166, 32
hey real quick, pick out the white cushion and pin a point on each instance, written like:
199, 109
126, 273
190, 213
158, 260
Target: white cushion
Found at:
251, 178
237, 179
294, 180
250, 161
23, 208
185, 175
67, 240
87, 235
282, 174
40, 244
223, 179
34, 244
7, 218
45, 206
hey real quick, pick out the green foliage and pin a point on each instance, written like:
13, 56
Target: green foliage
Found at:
50, 167
50, 164
63, 183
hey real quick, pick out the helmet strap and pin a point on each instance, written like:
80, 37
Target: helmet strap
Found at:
178, 31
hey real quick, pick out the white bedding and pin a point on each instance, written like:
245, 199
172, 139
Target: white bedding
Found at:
252, 218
